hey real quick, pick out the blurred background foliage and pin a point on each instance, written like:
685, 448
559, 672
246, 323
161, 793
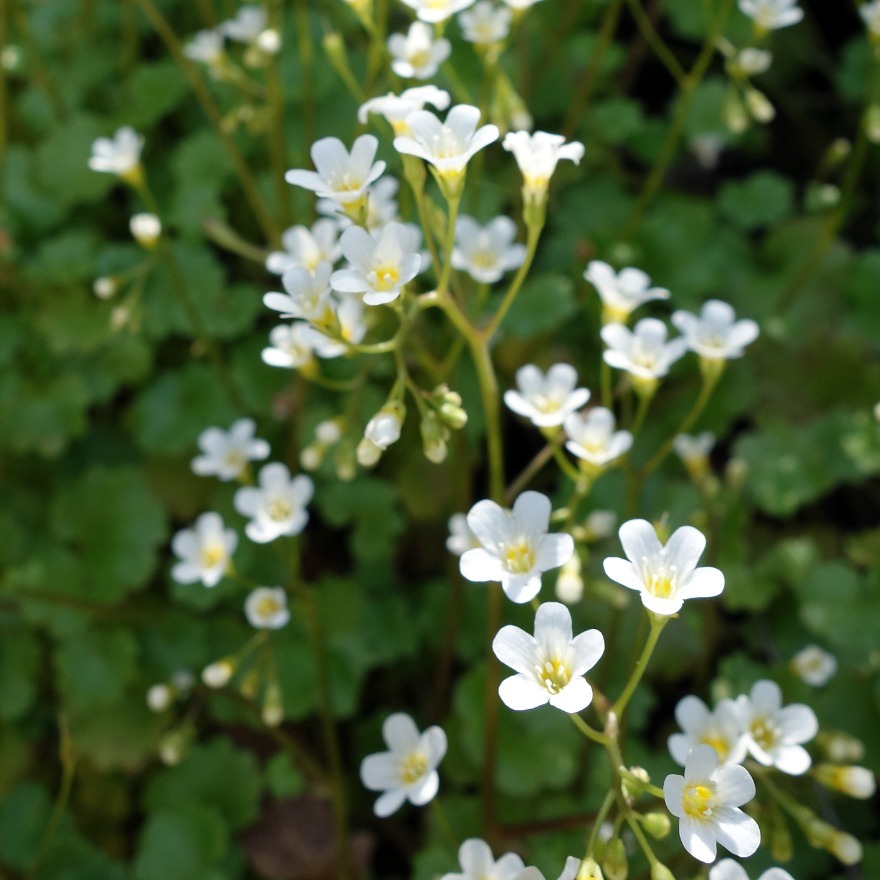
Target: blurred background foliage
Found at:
100, 410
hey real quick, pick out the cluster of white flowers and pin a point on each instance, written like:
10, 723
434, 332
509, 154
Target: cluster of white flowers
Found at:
250, 26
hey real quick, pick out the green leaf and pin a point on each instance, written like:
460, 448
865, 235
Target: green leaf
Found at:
282, 778
543, 303
153, 90
24, 815
181, 843
763, 199
19, 665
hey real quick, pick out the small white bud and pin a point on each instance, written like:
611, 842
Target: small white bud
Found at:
217, 675
269, 41
857, 782
368, 453
159, 697
105, 287
146, 229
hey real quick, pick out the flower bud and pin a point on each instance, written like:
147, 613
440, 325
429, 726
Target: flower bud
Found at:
615, 863
368, 454
659, 871
346, 461
217, 675
119, 318
269, 41
160, 697
872, 123
570, 584
311, 456
590, 870
249, 683
658, 824
146, 229
841, 747
329, 431
434, 437
846, 848
105, 287
273, 708
384, 428
175, 744
857, 782
735, 115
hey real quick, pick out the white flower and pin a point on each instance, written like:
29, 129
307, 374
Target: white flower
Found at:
770, 15
478, 863
217, 675
705, 801
814, 666
248, 24
546, 399
395, 108
306, 248
857, 782
266, 608
516, 548
550, 666
433, 11
225, 454
461, 538
120, 155
418, 54
521, 4
715, 334
592, 437
484, 24
537, 154
278, 506
105, 287
407, 771
384, 428
719, 729
665, 574
379, 264
774, 733
694, 450
145, 229
448, 145
348, 321
381, 206
486, 252
160, 697
204, 550
870, 13
706, 148
728, 869
290, 346
308, 295
205, 46
750, 62
341, 176
572, 865
621, 293
642, 352
599, 524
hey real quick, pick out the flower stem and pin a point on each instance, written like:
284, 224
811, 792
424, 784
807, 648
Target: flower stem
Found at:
653, 39
589, 732
657, 624
534, 233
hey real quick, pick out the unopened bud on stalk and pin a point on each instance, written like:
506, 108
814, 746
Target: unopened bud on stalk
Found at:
434, 437
449, 408
615, 863
146, 229
346, 460
759, 106
658, 824
217, 675
249, 684
590, 870
735, 115
841, 747
119, 318
311, 456
273, 708
570, 584
872, 123
160, 697
175, 744
105, 287
269, 41
659, 871
781, 845
857, 782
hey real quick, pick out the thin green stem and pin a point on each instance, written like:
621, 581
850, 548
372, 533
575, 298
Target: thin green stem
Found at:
277, 142
605, 384
443, 822
306, 53
655, 41
534, 234
589, 732
640, 837
524, 477
657, 625
448, 244
641, 412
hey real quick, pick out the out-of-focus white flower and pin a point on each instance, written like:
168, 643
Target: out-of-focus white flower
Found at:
770, 15
307, 296
599, 524
486, 252
516, 548
145, 229
289, 346
814, 666
750, 62
621, 293
381, 206
857, 782
347, 322
248, 24
715, 334
395, 108
546, 400
728, 869
382, 431
537, 155
521, 4
478, 863
269, 41
707, 148
105, 287
569, 872
225, 454
418, 53
204, 551
461, 538
700, 726
706, 801
120, 154
485, 24
449, 145
379, 264
694, 452
205, 46
266, 608
306, 247
277, 505
217, 675
433, 11
870, 13
774, 733
643, 352
160, 697
664, 574
550, 666
592, 438
408, 770
570, 581
342, 176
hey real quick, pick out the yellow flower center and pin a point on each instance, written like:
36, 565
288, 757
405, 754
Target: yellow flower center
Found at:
554, 675
234, 459
267, 607
660, 584
413, 767
714, 739
419, 58
483, 259
763, 732
279, 509
385, 278
699, 801
213, 555
519, 558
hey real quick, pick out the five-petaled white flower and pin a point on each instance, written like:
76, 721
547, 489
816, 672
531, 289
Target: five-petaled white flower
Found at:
773, 732
205, 46
461, 538
407, 771
664, 574
770, 15
870, 13
550, 666
347, 323
248, 24
814, 666
484, 24
204, 551
342, 176
395, 108
382, 206
266, 608
728, 869
700, 726
308, 295
643, 352
515, 547
537, 155
433, 11
449, 145
306, 248
379, 264
715, 334
290, 346
225, 454
418, 53
706, 800
592, 438
486, 252
694, 450
621, 292
478, 863
277, 506
546, 400
120, 154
